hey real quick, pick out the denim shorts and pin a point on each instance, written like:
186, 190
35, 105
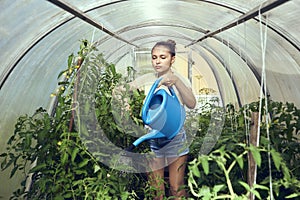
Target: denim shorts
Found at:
170, 148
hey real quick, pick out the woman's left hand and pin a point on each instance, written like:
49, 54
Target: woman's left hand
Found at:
168, 80
185, 92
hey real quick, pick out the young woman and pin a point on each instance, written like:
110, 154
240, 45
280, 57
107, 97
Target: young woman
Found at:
174, 152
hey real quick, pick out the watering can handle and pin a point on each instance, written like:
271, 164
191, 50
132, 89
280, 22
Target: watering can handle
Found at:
153, 87
173, 93
148, 97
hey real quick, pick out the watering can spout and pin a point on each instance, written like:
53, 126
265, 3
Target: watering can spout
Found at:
151, 135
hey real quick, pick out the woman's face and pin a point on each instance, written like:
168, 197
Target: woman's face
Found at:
162, 60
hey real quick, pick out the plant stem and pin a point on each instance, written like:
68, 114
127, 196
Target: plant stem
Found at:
232, 194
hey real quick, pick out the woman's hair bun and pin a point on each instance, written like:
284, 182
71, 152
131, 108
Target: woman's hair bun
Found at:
171, 42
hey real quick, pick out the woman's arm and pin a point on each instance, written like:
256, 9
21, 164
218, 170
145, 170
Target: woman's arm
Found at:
186, 93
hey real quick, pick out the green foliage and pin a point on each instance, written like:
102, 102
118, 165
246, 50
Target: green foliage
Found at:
222, 174
63, 166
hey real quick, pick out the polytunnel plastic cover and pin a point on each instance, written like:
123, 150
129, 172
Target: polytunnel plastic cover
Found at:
37, 36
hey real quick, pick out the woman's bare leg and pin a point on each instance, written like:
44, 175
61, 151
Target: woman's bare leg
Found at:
176, 176
156, 177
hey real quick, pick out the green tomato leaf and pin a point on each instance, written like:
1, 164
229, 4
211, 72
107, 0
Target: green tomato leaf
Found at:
70, 59
13, 171
64, 158
256, 193
205, 165
218, 188
276, 158
261, 187
196, 171
83, 163
239, 160
74, 154
96, 168
256, 154
245, 185
38, 167
294, 195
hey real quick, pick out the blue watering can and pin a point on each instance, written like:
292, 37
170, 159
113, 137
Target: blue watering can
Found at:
163, 113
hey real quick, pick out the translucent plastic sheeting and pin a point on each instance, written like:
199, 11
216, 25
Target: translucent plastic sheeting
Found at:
37, 37
239, 86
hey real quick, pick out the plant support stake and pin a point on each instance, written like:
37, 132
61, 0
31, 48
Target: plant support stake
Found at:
252, 166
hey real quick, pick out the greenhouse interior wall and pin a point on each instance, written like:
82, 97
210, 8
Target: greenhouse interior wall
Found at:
239, 50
